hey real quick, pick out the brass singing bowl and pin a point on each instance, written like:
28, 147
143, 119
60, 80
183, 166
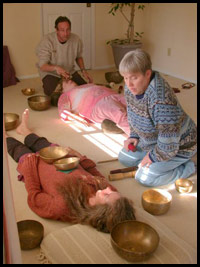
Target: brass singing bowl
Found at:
134, 241
28, 91
31, 234
39, 102
67, 163
11, 121
52, 153
156, 201
109, 126
113, 76
184, 185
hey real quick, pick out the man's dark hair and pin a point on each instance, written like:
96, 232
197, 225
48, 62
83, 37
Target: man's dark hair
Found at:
62, 19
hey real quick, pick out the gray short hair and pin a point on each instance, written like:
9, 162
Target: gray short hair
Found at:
135, 61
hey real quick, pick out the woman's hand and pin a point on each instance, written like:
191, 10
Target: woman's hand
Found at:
145, 162
134, 141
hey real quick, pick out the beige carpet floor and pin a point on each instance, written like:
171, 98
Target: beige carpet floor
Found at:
182, 216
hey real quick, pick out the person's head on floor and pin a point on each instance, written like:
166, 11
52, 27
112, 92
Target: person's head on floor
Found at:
136, 68
105, 216
68, 85
63, 28
101, 210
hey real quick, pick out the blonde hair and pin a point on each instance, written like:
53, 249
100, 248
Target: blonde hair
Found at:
102, 217
135, 61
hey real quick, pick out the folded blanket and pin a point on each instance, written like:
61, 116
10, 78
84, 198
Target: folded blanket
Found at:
82, 244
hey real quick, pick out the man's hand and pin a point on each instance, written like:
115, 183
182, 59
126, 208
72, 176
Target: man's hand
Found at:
135, 141
87, 76
145, 162
62, 72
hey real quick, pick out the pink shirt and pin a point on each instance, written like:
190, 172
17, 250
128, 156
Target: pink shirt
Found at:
82, 99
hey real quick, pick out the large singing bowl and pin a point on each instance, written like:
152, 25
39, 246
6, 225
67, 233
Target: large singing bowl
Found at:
39, 102
52, 153
156, 201
134, 241
30, 234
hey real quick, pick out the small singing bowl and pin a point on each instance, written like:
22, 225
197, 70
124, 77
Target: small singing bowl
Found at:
28, 91
113, 76
52, 153
156, 201
184, 185
66, 163
134, 241
39, 102
11, 121
31, 234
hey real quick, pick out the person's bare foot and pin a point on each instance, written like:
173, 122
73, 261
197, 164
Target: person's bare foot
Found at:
23, 127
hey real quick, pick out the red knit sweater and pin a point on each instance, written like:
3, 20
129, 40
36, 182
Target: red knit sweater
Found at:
42, 180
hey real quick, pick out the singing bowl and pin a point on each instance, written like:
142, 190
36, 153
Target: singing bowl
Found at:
134, 241
109, 126
28, 91
31, 234
39, 102
11, 121
52, 153
113, 76
184, 185
67, 163
156, 201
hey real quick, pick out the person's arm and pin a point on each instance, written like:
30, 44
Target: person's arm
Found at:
80, 63
41, 203
59, 70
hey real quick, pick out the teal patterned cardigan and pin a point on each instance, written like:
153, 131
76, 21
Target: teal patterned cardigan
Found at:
157, 119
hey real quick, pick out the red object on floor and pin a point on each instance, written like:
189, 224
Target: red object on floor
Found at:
132, 147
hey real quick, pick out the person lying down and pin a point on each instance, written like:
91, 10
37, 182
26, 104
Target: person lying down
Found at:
82, 196
93, 102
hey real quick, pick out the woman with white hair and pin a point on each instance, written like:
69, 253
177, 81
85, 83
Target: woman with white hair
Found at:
165, 136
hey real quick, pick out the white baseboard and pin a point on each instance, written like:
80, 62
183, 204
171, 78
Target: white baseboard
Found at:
103, 67
28, 76
176, 76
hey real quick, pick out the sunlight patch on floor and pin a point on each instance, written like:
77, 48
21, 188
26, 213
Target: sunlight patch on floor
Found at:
100, 145
189, 194
106, 141
119, 138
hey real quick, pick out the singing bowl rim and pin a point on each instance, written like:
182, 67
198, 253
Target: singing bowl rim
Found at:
46, 97
32, 241
134, 256
168, 196
52, 159
66, 166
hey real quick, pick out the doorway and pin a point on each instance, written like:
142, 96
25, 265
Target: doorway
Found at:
81, 16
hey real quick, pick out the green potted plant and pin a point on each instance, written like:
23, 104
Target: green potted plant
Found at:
132, 41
